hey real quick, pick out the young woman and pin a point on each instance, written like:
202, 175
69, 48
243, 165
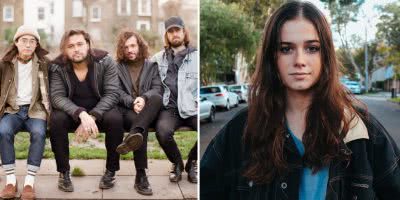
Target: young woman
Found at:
303, 136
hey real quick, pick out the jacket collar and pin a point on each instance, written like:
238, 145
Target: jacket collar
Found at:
357, 130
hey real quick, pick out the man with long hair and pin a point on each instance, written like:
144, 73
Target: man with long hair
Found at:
140, 100
177, 64
84, 90
303, 136
24, 105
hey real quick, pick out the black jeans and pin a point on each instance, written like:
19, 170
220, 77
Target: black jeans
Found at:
168, 121
61, 123
142, 120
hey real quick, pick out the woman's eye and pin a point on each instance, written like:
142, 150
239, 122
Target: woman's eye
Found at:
313, 49
285, 50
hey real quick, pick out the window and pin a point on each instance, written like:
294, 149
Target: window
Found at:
8, 13
124, 7
52, 7
95, 14
77, 8
143, 25
144, 7
41, 13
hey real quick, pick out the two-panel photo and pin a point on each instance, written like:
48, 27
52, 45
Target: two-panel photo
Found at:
200, 99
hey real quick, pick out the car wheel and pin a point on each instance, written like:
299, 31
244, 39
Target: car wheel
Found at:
211, 118
237, 102
228, 105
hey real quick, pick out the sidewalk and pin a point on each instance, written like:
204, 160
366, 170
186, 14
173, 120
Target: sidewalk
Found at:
86, 187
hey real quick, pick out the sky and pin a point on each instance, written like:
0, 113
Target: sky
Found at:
368, 11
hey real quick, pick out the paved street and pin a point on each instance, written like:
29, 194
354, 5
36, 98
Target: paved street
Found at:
386, 112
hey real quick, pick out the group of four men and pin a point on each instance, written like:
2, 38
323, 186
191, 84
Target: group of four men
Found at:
85, 91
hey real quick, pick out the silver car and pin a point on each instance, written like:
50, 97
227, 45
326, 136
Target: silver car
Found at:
241, 91
207, 110
220, 96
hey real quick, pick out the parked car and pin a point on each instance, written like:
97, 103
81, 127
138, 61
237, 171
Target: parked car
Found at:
207, 110
220, 96
241, 91
353, 86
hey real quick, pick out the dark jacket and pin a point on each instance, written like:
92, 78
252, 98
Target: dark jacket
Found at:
372, 173
149, 85
40, 105
105, 83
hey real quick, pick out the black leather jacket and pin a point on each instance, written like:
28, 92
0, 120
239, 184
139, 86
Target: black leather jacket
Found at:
105, 83
372, 173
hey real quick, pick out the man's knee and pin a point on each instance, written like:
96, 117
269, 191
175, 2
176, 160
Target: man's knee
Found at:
112, 117
58, 117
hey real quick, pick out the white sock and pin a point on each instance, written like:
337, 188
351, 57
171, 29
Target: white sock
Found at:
30, 177
11, 179
29, 180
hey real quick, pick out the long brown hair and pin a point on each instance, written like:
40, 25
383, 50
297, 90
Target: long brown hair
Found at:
123, 37
326, 123
186, 39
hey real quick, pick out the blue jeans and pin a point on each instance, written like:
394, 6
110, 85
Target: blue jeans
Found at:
11, 124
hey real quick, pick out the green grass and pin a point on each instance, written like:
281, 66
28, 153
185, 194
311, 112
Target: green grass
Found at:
185, 141
397, 100
77, 172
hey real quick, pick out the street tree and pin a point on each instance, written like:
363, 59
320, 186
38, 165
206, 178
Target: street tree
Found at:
225, 31
389, 33
343, 12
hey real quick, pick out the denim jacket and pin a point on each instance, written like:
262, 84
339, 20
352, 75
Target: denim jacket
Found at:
372, 173
187, 82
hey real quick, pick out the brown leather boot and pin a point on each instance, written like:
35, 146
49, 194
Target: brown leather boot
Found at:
28, 193
9, 191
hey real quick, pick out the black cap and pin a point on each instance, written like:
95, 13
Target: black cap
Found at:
174, 21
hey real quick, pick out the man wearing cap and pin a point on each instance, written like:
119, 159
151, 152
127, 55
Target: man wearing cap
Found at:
177, 64
24, 105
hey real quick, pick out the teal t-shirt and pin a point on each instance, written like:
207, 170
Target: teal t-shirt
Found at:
312, 186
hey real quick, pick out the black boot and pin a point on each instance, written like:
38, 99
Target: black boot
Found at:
107, 180
142, 185
132, 142
175, 174
191, 169
64, 182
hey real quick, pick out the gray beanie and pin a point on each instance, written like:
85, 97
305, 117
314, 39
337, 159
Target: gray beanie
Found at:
26, 30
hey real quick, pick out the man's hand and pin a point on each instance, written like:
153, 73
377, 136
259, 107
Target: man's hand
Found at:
138, 104
88, 123
81, 135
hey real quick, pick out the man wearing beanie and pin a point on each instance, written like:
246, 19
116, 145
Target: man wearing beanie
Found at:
177, 64
24, 105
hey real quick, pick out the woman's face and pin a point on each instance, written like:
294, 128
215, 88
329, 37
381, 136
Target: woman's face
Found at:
299, 55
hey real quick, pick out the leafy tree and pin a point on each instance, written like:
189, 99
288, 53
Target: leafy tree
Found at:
342, 13
225, 30
258, 10
389, 33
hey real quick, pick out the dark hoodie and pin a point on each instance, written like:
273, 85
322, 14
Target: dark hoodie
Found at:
105, 84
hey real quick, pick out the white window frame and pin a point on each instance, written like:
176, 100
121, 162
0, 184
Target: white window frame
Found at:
5, 19
92, 18
77, 12
44, 13
126, 12
139, 23
140, 8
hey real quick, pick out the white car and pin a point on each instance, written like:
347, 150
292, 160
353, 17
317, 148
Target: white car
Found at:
220, 96
241, 91
207, 110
